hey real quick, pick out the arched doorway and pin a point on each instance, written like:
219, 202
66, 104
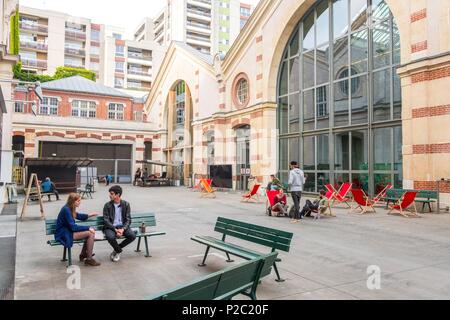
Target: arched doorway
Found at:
339, 96
242, 157
179, 126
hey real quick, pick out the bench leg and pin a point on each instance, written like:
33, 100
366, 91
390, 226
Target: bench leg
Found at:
204, 258
64, 259
147, 254
69, 252
138, 245
278, 274
229, 259
429, 206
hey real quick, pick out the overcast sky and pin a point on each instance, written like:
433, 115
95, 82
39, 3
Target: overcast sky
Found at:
126, 14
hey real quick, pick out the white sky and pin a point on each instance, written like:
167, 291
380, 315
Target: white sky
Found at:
110, 12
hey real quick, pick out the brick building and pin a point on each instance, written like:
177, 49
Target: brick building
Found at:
81, 118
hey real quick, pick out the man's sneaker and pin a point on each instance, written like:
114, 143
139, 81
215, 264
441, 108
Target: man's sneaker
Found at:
112, 255
116, 257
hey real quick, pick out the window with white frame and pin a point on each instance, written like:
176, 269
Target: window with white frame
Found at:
84, 109
49, 106
19, 106
138, 116
115, 111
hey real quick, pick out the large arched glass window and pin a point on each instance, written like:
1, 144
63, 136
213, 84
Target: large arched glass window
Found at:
179, 113
339, 96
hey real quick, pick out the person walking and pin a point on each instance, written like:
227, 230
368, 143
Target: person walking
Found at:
137, 176
296, 182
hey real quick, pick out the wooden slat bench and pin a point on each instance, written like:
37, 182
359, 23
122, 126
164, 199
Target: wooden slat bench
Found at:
34, 195
136, 221
272, 238
426, 197
225, 284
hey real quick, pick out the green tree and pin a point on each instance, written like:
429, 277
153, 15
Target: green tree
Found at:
14, 34
61, 72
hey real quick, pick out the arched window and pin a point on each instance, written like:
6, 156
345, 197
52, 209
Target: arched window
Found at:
339, 96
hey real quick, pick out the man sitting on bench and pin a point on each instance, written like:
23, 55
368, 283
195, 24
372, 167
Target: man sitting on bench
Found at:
117, 219
49, 187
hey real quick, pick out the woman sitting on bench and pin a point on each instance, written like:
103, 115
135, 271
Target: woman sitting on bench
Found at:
67, 230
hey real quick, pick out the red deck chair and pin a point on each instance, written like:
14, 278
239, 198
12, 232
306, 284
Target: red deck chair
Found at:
340, 196
404, 202
252, 194
270, 200
379, 197
362, 200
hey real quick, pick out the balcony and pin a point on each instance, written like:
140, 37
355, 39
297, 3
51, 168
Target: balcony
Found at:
74, 65
33, 27
38, 46
201, 3
76, 34
139, 73
34, 63
198, 40
140, 56
198, 28
199, 14
75, 51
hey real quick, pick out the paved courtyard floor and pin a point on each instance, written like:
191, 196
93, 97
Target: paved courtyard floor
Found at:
328, 258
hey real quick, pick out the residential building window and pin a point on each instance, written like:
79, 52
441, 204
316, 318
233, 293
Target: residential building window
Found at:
119, 66
95, 35
49, 106
19, 106
115, 111
95, 66
138, 116
84, 109
118, 82
95, 51
120, 51
117, 36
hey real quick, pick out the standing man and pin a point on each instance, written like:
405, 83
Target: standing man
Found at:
117, 219
296, 181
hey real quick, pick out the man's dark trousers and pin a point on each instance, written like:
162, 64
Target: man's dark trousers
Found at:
296, 196
111, 236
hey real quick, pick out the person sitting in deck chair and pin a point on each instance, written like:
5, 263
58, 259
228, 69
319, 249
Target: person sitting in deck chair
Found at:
275, 183
319, 205
49, 187
280, 206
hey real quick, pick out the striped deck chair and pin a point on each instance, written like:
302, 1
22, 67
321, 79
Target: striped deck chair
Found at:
207, 190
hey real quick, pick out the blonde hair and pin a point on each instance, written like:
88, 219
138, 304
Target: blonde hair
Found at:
73, 197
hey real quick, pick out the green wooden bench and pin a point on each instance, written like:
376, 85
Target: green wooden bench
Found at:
225, 284
136, 221
34, 195
272, 238
426, 197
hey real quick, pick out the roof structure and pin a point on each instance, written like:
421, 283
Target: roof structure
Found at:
58, 162
83, 85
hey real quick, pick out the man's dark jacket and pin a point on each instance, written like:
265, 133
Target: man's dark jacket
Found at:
109, 212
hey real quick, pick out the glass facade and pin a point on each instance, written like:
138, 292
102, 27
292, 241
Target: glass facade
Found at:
339, 96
